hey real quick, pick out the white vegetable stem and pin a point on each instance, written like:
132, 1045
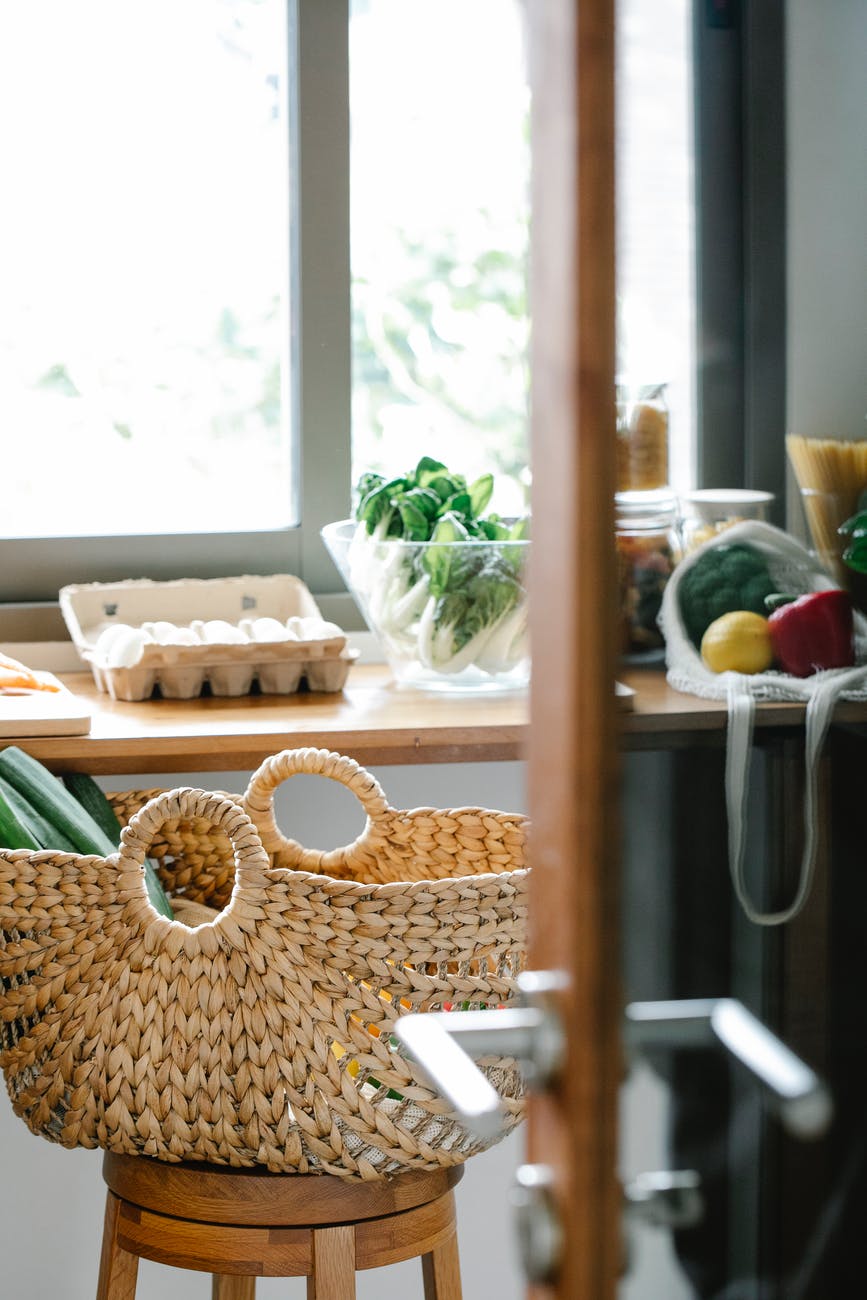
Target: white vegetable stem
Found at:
401, 610
435, 645
508, 642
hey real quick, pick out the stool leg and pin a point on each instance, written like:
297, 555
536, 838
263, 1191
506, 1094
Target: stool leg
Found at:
118, 1269
232, 1288
333, 1269
441, 1270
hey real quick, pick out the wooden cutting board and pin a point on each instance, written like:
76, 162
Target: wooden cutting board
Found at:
625, 696
43, 713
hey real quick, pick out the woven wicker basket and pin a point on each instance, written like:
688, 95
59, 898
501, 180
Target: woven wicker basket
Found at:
262, 1035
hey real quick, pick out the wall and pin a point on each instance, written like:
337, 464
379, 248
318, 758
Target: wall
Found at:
827, 218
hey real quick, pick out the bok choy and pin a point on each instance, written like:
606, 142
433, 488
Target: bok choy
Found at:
439, 580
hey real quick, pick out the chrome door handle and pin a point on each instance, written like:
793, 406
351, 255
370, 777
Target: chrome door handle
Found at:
446, 1044
665, 1198
803, 1101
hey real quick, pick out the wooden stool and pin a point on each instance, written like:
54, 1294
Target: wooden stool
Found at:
240, 1224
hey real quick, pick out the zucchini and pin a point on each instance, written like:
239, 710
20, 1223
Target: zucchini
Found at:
89, 795
50, 797
93, 800
13, 833
46, 835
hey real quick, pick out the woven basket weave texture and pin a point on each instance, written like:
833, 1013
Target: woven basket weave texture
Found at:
261, 1037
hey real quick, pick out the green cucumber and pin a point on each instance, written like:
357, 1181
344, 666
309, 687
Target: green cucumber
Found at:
13, 833
46, 835
50, 797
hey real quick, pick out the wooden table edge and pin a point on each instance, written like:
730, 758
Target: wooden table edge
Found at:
372, 721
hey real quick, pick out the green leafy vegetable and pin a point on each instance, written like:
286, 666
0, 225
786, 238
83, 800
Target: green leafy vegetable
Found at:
444, 604
481, 492
456, 625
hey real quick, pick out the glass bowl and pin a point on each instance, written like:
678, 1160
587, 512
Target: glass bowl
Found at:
449, 616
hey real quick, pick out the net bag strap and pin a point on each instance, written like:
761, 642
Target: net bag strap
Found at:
741, 714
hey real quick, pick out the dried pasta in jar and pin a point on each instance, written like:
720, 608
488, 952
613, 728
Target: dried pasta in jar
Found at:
642, 438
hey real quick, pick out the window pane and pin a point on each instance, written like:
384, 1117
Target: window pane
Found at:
439, 213
440, 169
144, 263
656, 214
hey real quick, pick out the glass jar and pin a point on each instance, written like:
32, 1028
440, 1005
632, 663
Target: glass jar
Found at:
642, 437
648, 543
709, 511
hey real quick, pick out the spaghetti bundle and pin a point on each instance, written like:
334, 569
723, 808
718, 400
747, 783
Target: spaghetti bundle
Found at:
831, 476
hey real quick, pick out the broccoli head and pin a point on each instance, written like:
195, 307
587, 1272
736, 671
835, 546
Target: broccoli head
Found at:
722, 579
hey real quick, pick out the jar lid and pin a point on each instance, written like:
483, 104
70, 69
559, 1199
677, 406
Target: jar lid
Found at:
654, 508
711, 503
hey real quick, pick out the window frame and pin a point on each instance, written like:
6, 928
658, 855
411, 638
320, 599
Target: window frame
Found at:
740, 196
32, 570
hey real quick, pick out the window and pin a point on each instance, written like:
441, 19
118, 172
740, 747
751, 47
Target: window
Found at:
154, 328
439, 238
656, 214
145, 306
202, 343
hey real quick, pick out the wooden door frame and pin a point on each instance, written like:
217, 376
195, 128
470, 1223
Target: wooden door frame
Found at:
573, 759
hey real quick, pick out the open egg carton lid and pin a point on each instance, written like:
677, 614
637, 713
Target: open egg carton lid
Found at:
228, 633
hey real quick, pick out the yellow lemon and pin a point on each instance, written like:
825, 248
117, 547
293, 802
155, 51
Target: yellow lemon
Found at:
738, 642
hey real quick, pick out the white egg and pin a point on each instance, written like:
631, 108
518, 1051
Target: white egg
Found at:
318, 629
108, 636
218, 632
126, 650
185, 636
168, 633
269, 629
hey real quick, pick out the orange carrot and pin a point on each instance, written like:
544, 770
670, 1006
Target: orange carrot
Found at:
16, 676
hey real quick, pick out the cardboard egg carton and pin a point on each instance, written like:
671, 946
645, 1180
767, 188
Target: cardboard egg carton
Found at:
230, 667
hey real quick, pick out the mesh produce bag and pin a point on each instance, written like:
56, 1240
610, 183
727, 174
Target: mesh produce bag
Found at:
794, 571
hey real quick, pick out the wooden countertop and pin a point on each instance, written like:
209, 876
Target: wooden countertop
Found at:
373, 720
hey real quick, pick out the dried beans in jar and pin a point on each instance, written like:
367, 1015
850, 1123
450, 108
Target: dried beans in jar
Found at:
648, 548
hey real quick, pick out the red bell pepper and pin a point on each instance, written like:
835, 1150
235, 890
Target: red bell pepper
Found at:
813, 632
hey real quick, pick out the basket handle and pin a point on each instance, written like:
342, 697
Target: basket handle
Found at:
258, 802
186, 802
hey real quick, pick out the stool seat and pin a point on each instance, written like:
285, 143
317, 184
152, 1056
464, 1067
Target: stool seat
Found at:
239, 1224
